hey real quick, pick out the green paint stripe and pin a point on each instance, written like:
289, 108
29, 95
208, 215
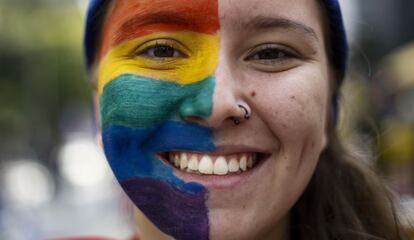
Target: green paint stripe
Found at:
141, 102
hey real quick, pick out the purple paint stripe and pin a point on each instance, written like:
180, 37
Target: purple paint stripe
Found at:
178, 213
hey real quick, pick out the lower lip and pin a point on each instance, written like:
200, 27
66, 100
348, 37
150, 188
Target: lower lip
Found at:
221, 181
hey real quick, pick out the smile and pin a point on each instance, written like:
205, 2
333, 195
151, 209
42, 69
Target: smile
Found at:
212, 164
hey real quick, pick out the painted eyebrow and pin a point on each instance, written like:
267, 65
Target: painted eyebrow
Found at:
264, 22
167, 17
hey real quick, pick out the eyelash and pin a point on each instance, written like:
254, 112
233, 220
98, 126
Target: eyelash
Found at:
266, 57
282, 54
149, 49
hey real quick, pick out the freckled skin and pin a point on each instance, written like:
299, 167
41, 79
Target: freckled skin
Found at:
293, 129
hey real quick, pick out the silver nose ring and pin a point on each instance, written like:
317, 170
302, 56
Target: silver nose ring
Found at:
246, 115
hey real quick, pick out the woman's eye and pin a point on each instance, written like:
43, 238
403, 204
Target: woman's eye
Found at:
160, 52
271, 54
272, 58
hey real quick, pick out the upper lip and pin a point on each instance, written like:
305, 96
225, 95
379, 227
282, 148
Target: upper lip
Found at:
234, 149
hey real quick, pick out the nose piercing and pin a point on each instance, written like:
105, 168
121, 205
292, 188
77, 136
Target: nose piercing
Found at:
246, 115
246, 112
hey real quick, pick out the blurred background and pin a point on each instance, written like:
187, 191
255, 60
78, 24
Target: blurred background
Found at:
54, 180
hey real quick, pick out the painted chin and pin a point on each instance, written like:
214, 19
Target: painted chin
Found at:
215, 170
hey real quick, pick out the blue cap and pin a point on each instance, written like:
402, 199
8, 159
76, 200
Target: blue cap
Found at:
339, 54
338, 37
92, 29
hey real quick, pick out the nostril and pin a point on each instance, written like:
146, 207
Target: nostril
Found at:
194, 119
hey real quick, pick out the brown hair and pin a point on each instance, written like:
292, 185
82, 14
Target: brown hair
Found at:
345, 199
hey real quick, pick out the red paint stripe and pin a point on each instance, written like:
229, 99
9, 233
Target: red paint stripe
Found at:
131, 20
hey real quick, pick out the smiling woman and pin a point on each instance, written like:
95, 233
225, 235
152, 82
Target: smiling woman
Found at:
218, 120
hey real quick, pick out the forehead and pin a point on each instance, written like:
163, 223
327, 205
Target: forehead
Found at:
127, 15
130, 19
305, 12
204, 13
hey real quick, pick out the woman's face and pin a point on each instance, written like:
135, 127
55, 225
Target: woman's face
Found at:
171, 75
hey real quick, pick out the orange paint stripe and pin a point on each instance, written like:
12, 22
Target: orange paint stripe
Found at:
132, 19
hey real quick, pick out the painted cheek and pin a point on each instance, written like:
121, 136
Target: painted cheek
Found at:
142, 110
200, 63
170, 203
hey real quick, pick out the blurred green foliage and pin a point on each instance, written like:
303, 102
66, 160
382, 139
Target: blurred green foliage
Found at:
41, 72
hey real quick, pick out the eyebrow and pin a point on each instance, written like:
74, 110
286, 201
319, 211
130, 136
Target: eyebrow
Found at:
160, 17
264, 22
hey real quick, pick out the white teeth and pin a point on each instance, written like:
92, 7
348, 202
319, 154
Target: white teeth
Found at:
183, 161
250, 161
193, 163
177, 161
243, 163
174, 159
233, 165
220, 166
206, 165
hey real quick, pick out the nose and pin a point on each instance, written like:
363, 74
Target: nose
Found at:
226, 99
224, 105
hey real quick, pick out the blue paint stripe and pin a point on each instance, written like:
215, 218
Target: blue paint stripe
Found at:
131, 151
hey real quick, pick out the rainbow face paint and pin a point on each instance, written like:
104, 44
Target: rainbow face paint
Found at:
144, 100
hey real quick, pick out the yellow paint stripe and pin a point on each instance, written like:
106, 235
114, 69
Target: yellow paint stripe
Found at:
200, 60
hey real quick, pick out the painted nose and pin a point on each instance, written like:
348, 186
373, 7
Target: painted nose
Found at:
199, 106
219, 104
